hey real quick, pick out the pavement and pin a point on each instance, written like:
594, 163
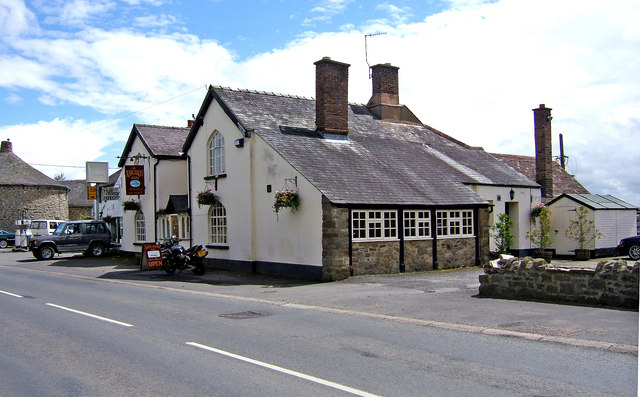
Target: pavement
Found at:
445, 299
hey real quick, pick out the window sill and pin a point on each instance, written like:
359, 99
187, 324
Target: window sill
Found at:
217, 246
214, 177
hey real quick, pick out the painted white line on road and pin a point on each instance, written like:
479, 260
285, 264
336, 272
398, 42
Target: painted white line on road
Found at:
90, 315
10, 294
284, 370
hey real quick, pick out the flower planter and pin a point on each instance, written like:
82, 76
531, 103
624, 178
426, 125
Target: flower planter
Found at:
583, 254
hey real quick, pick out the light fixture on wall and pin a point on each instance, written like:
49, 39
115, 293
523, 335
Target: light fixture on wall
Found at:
239, 142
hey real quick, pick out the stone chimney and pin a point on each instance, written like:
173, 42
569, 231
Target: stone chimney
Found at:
332, 103
544, 161
7, 146
385, 98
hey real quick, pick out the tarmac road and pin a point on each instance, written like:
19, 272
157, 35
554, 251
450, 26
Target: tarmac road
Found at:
441, 299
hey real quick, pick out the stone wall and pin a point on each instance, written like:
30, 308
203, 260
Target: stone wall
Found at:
456, 252
41, 202
376, 257
418, 255
335, 242
612, 283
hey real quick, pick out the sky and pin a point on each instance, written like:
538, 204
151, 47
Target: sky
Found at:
75, 75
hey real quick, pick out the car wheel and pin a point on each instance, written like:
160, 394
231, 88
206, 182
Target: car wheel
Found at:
46, 253
634, 251
3, 243
96, 250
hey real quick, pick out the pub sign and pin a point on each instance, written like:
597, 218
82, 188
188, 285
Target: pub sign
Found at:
134, 179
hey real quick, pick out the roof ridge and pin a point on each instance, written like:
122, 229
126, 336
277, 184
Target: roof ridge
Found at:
157, 125
292, 96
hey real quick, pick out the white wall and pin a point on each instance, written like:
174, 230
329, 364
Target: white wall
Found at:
615, 225
524, 200
254, 232
171, 179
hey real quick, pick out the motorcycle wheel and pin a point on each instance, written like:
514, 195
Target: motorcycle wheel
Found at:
168, 267
198, 269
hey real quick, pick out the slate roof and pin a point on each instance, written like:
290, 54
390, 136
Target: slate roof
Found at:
563, 182
160, 141
15, 172
78, 193
597, 201
381, 162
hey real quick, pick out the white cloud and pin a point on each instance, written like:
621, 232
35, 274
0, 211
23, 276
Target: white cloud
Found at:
76, 12
154, 21
15, 19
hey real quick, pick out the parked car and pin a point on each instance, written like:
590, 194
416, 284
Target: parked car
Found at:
92, 238
630, 246
6, 238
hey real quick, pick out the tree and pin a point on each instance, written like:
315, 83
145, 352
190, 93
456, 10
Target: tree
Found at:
582, 229
502, 236
60, 177
540, 236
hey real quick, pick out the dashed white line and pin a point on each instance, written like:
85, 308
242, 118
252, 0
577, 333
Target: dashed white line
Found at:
272, 367
90, 315
10, 294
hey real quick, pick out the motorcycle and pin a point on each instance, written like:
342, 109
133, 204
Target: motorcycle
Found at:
176, 257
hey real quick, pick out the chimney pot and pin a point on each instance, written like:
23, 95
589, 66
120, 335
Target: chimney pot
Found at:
6, 146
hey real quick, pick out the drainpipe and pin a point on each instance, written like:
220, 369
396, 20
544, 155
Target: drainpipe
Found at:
155, 199
189, 201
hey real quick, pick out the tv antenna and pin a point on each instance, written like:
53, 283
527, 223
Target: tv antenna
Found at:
366, 55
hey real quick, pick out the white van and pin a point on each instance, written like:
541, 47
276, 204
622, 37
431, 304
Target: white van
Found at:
43, 227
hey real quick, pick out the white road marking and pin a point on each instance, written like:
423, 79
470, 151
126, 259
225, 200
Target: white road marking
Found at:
10, 294
284, 370
90, 315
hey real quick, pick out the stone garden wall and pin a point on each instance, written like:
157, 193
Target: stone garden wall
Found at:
612, 283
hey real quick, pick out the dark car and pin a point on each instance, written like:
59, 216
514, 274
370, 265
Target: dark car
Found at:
630, 246
92, 238
6, 238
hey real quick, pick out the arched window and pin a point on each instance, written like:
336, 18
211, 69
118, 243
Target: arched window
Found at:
217, 224
215, 155
141, 234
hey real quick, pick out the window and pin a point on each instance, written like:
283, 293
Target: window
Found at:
454, 223
417, 224
141, 234
217, 224
216, 155
374, 225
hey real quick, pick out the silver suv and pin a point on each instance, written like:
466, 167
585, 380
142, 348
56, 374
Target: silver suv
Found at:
92, 238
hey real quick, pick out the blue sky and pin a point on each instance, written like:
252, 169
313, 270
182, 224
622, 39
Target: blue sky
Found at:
76, 74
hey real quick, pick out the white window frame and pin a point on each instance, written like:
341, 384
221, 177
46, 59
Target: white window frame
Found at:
215, 155
141, 230
454, 223
218, 224
417, 224
374, 225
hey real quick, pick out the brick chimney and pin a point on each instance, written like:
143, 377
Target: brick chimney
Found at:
385, 98
332, 103
7, 146
544, 161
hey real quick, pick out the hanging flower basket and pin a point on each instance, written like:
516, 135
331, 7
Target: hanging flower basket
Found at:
535, 212
286, 199
206, 197
130, 205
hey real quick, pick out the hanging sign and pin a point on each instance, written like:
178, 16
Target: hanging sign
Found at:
134, 179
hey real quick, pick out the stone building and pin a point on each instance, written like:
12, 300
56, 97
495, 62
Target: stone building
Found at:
26, 193
80, 207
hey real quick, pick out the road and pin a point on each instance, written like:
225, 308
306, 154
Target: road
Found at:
77, 336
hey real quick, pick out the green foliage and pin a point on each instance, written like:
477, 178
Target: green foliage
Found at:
582, 229
540, 236
502, 236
